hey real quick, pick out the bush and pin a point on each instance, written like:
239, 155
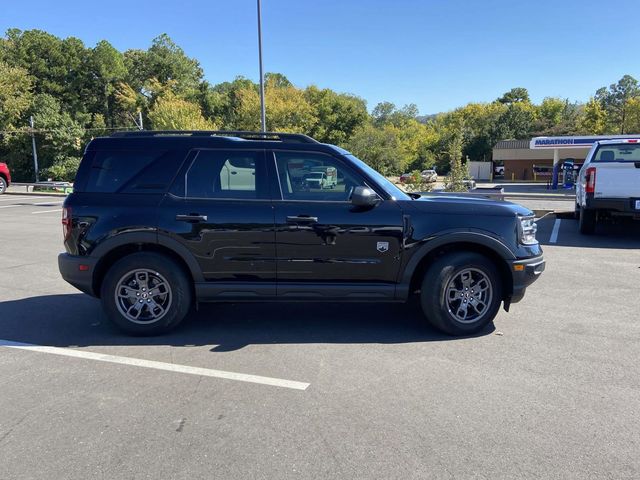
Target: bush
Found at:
415, 183
63, 169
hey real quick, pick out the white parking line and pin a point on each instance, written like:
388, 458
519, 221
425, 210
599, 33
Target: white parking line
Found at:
47, 211
41, 204
169, 367
12, 198
554, 232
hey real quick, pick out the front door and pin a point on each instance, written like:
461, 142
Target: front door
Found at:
320, 235
220, 209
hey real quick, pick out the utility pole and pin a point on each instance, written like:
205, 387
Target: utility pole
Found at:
140, 125
263, 116
33, 145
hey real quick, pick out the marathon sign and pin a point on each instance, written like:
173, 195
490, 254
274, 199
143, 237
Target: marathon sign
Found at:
571, 142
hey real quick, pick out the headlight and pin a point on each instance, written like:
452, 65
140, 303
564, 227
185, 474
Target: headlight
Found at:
527, 228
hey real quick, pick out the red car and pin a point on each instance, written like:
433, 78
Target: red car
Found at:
5, 177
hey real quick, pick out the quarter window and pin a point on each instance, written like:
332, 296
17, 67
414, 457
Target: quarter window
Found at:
310, 176
132, 170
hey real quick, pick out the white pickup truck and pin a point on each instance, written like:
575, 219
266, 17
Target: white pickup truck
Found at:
609, 183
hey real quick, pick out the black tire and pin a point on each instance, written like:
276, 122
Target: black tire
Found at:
3, 185
576, 212
446, 270
160, 270
587, 221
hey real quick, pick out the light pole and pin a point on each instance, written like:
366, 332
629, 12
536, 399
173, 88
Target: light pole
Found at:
263, 116
33, 146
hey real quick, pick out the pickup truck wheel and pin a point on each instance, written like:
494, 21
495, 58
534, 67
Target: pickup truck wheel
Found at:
461, 293
587, 221
3, 185
146, 294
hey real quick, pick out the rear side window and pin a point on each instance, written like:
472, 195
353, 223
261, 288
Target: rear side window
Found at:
223, 174
617, 153
133, 171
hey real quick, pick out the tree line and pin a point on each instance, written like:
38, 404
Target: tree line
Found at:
75, 92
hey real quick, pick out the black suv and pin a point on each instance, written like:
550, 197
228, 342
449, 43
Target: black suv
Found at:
161, 220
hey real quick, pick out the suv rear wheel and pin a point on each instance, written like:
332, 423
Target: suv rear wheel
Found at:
461, 293
146, 294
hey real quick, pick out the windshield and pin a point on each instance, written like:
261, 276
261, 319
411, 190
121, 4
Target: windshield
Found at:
390, 188
623, 152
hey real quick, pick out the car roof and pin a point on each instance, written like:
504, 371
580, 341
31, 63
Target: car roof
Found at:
619, 141
146, 140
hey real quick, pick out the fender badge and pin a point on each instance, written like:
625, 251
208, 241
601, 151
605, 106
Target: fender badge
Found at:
383, 246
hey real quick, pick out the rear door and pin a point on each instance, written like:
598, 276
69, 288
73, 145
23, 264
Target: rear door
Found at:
321, 236
220, 209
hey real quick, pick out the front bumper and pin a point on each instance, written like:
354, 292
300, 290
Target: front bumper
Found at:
524, 273
78, 271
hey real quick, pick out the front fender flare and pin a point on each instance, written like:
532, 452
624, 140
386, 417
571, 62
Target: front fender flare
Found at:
431, 244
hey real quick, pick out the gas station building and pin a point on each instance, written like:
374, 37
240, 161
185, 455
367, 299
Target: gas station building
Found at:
521, 156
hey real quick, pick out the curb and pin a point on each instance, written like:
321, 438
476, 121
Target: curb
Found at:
37, 194
540, 196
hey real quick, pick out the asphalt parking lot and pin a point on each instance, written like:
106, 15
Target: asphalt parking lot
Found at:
322, 390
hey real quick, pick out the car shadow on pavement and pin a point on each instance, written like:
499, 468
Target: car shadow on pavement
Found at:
77, 320
622, 234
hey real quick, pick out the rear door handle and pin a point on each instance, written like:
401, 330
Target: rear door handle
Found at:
302, 219
192, 217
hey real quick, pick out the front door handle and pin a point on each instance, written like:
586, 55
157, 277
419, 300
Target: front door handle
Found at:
192, 217
302, 219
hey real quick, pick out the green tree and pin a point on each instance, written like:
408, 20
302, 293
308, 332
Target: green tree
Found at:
15, 95
515, 95
615, 101
458, 172
108, 71
221, 103
167, 62
338, 115
378, 147
594, 118
59, 138
170, 112
287, 109
632, 120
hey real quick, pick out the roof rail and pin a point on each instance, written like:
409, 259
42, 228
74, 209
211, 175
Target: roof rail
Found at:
246, 135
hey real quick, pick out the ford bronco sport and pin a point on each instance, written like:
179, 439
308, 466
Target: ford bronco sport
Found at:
159, 221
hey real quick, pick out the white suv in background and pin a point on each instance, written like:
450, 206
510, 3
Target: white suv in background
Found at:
609, 183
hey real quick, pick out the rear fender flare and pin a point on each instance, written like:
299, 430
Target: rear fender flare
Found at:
152, 238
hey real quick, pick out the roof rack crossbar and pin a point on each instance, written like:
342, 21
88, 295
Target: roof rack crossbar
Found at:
247, 135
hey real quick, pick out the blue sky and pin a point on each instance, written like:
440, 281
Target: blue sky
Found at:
438, 54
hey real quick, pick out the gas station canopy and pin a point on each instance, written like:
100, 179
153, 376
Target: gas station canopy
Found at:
571, 142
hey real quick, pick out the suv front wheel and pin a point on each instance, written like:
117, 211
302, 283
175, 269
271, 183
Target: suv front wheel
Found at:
461, 293
146, 294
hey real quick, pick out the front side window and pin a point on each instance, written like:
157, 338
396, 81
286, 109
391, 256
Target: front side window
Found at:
227, 175
313, 176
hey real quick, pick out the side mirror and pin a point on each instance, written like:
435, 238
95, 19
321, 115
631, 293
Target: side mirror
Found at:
364, 197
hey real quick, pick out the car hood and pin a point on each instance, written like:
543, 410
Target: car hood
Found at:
460, 204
